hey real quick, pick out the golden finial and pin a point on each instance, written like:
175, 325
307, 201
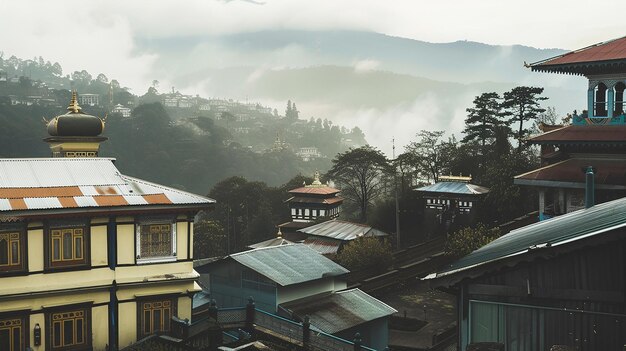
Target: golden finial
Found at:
73, 107
279, 234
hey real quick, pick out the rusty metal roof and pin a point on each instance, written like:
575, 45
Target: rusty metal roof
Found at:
324, 246
341, 310
321, 190
588, 134
609, 174
56, 183
341, 230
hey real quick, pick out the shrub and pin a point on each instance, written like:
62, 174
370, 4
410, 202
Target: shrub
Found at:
366, 252
469, 239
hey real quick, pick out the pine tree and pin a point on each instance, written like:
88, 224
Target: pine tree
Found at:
522, 104
483, 120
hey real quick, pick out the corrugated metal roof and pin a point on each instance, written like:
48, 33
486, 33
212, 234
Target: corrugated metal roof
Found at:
271, 242
323, 245
341, 230
557, 231
57, 172
289, 264
460, 188
316, 200
340, 310
51, 183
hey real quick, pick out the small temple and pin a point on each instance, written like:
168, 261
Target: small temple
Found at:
450, 203
594, 141
308, 204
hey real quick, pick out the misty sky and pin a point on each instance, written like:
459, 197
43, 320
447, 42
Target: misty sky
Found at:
106, 36
100, 35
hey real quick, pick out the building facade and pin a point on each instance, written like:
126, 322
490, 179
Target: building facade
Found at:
90, 259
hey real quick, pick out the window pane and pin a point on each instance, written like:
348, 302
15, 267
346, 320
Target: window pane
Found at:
56, 249
146, 323
4, 252
56, 338
166, 319
79, 330
17, 339
68, 332
15, 252
156, 320
78, 247
5, 339
67, 245
156, 240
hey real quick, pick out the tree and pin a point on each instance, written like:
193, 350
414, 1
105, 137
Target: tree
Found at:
522, 104
102, 78
483, 119
366, 253
468, 239
359, 172
427, 154
209, 239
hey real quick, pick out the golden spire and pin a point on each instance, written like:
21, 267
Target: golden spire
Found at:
316, 178
279, 234
73, 107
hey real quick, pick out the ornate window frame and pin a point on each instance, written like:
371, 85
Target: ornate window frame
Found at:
141, 257
56, 231
58, 317
14, 320
149, 306
16, 246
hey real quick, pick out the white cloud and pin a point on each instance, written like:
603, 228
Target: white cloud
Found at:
366, 65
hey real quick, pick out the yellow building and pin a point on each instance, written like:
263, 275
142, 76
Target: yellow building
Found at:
89, 258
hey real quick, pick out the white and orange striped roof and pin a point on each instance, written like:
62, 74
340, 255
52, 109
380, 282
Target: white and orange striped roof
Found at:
50, 183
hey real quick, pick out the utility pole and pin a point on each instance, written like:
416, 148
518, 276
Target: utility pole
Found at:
395, 184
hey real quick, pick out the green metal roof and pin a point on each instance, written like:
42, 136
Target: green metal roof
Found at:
340, 310
560, 230
289, 264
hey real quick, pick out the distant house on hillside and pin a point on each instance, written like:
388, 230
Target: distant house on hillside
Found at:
124, 111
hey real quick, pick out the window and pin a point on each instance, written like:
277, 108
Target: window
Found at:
12, 333
67, 246
155, 316
156, 242
12, 249
69, 330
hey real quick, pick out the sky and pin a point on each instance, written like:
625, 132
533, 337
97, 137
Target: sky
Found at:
100, 35
103, 36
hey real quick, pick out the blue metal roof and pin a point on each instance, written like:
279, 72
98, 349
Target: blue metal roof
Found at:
560, 230
289, 264
454, 188
341, 230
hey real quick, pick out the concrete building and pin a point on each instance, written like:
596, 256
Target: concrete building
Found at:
89, 99
89, 258
124, 111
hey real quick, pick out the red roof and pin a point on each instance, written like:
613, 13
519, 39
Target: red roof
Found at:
605, 51
587, 133
309, 200
610, 174
324, 190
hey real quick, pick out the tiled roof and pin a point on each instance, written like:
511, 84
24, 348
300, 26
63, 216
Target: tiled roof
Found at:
341, 230
605, 51
582, 134
609, 174
339, 311
289, 264
65, 183
592, 222
459, 188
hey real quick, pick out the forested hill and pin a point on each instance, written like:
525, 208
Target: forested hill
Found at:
191, 147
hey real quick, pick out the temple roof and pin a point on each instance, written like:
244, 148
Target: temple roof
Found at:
457, 188
610, 174
588, 134
603, 57
75, 123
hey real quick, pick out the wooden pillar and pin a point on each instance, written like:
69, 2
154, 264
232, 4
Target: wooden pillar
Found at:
250, 311
562, 208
